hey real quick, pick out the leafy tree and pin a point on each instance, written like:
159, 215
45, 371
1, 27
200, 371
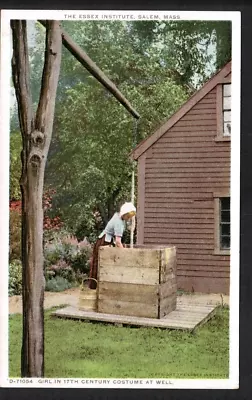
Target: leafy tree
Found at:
156, 65
94, 135
188, 46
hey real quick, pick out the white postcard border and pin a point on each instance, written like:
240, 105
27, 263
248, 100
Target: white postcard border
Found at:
235, 17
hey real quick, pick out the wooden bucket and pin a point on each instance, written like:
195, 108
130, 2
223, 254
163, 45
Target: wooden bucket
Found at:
88, 297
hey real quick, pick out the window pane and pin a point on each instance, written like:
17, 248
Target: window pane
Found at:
225, 242
225, 223
225, 203
225, 216
225, 229
227, 103
227, 128
227, 89
227, 116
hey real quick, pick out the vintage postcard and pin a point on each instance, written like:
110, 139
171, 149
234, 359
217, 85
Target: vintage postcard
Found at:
120, 191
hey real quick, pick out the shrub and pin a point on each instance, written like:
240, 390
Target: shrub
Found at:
15, 278
61, 268
53, 252
57, 284
66, 257
51, 223
15, 235
80, 262
70, 248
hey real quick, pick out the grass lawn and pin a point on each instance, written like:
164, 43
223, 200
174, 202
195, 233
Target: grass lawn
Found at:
96, 350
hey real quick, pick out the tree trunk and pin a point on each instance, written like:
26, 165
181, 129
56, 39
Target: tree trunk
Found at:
111, 202
36, 135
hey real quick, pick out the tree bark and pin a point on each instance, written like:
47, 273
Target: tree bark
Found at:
36, 134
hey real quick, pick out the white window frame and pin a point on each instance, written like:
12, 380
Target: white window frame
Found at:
226, 101
223, 110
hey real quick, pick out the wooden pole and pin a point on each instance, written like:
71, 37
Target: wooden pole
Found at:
86, 61
36, 134
133, 222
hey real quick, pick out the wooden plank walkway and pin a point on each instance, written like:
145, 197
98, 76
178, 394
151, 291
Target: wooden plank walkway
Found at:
187, 316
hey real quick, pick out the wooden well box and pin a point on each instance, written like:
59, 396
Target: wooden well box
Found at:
137, 282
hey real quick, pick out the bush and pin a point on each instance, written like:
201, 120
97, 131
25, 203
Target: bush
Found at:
15, 278
80, 261
66, 257
57, 284
61, 268
53, 252
15, 236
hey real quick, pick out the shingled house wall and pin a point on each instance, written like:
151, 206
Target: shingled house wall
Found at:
179, 177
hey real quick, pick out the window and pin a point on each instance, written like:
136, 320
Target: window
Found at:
223, 111
226, 109
222, 223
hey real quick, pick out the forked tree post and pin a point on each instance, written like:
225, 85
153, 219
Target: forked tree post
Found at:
36, 130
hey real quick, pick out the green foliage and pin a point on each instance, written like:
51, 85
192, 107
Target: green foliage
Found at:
129, 353
53, 252
80, 263
190, 49
15, 164
90, 151
60, 269
156, 65
223, 40
66, 257
15, 278
57, 284
15, 236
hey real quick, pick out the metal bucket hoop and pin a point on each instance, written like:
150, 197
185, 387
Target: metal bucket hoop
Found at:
88, 279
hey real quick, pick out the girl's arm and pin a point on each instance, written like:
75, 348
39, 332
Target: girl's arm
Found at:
118, 241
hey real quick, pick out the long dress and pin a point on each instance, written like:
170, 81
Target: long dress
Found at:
94, 260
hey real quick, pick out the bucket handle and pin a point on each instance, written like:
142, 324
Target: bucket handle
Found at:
87, 279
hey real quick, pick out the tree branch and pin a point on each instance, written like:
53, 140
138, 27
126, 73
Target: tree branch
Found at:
20, 74
103, 214
46, 106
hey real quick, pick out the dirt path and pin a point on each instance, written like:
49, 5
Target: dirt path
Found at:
52, 299
71, 297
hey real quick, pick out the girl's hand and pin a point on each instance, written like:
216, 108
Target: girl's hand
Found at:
118, 242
